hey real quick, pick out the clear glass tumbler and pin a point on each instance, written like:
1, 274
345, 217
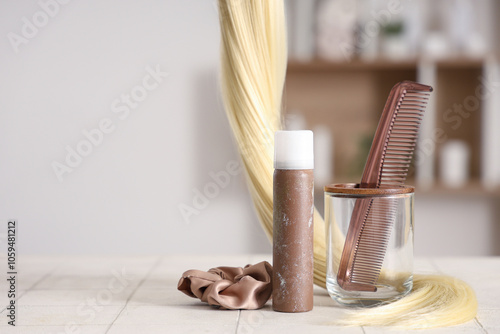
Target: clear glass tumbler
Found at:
394, 208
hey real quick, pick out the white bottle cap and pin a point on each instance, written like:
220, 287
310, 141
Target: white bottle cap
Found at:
293, 150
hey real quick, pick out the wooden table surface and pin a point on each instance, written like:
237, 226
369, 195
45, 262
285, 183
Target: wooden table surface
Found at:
139, 295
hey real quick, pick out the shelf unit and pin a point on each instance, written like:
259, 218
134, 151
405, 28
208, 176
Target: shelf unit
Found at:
349, 97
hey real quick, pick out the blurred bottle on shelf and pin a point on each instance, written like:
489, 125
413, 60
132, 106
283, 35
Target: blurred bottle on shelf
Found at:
490, 121
301, 29
367, 31
467, 27
290, 22
323, 156
336, 23
454, 163
436, 46
456, 28
414, 21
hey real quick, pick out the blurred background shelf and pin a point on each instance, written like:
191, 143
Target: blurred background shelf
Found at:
356, 65
348, 98
344, 58
375, 65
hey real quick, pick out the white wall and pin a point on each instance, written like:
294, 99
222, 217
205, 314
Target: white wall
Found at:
124, 197
456, 225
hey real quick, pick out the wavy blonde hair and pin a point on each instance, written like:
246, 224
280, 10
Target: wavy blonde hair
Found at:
253, 69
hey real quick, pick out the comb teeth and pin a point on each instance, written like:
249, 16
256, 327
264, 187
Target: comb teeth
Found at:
402, 137
372, 243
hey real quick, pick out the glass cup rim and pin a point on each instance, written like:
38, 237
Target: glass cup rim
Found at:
355, 189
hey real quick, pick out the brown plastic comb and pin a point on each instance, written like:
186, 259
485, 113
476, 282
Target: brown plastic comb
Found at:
387, 165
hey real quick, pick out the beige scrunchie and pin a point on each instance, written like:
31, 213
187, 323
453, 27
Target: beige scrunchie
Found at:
230, 287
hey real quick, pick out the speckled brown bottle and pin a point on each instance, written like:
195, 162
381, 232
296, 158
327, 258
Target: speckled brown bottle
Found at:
293, 208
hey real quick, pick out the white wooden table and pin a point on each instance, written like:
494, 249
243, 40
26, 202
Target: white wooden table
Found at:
139, 295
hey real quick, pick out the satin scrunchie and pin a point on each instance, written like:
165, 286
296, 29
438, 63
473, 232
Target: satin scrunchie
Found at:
230, 287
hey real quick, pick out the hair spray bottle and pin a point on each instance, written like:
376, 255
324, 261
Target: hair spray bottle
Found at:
293, 209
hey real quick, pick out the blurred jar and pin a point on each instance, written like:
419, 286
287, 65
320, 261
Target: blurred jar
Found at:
392, 229
454, 163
